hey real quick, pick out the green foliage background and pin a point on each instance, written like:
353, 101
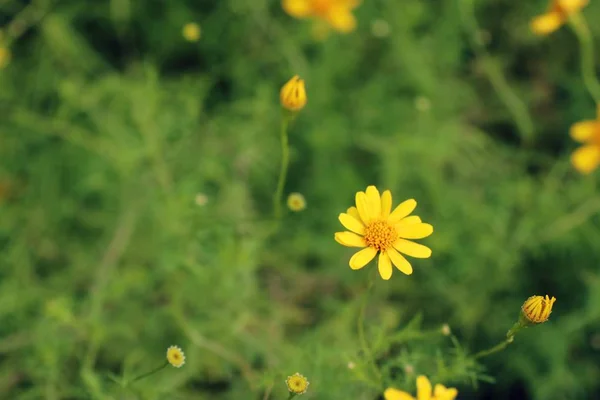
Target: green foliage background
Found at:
111, 124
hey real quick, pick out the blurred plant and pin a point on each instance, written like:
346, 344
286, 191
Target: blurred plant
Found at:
424, 392
296, 202
191, 32
296, 384
557, 15
587, 158
379, 230
337, 13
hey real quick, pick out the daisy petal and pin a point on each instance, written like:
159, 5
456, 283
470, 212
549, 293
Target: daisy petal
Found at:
374, 200
362, 204
395, 394
385, 266
297, 8
415, 231
547, 23
400, 262
423, 388
440, 392
386, 204
341, 19
586, 159
403, 209
413, 219
572, 6
351, 223
585, 131
350, 239
412, 249
354, 212
362, 257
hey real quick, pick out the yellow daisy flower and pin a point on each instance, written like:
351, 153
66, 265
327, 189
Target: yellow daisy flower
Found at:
191, 32
296, 202
374, 226
587, 158
175, 356
537, 309
297, 383
424, 392
337, 13
558, 13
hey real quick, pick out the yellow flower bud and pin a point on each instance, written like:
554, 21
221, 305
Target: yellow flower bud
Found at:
191, 32
537, 309
296, 202
293, 94
297, 384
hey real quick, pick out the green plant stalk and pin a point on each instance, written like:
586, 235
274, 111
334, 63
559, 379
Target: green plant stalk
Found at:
510, 337
516, 107
291, 396
285, 160
586, 47
361, 330
155, 370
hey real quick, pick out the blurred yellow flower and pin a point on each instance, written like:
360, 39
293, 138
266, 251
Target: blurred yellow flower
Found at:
537, 309
293, 94
297, 383
175, 356
558, 13
424, 392
5, 57
191, 32
375, 227
337, 13
587, 158
296, 202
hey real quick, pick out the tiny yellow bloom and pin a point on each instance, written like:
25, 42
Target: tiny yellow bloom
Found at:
586, 158
537, 309
379, 230
293, 94
175, 356
337, 13
558, 13
191, 32
5, 57
296, 202
446, 331
424, 392
297, 383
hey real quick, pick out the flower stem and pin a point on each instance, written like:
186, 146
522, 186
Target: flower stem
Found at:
291, 396
155, 370
361, 329
586, 46
515, 106
285, 159
510, 337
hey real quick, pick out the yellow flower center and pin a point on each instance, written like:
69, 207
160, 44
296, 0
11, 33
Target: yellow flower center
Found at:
380, 235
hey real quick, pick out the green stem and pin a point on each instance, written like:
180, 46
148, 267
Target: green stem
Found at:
499, 347
285, 159
155, 370
516, 107
291, 396
586, 46
361, 329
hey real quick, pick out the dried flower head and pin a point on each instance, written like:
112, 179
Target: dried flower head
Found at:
296, 202
191, 32
297, 383
293, 94
175, 356
373, 226
537, 309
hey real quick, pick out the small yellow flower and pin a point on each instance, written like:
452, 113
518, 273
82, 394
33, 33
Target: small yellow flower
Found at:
191, 32
379, 230
175, 356
446, 331
296, 202
297, 383
537, 309
293, 94
424, 392
586, 158
558, 13
337, 13
5, 57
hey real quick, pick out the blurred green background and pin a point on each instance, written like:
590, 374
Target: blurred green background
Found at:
137, 171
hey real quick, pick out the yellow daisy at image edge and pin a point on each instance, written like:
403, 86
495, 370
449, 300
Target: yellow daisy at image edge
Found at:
587, 157
424, 392
175, 356
373, 226
297, 383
